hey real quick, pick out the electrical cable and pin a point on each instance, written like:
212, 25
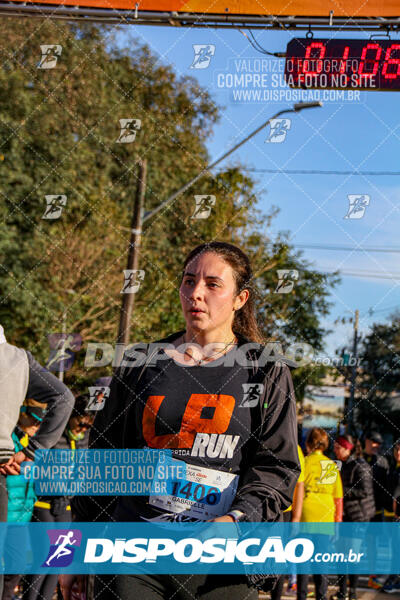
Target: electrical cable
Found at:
320, 172
363, 274
346, 248
257, 46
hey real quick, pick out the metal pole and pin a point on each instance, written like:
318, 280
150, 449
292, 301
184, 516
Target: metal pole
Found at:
353, 374
133, 255
296, 108
139, 219
63, 331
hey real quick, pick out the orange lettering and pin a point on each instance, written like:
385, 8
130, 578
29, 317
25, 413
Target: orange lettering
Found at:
193, 420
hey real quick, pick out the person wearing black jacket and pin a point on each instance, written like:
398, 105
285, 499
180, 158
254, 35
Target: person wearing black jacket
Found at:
358, 497
394, 480
380, 472
195, 397
392, 583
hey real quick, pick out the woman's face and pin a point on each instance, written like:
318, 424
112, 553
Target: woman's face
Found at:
341, 453
208, 285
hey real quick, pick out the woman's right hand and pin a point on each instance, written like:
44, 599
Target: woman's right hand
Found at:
72, 586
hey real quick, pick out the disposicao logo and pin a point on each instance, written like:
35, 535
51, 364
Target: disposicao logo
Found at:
190, 550
62, 547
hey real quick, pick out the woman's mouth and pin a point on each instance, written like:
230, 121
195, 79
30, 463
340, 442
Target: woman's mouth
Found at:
196, 311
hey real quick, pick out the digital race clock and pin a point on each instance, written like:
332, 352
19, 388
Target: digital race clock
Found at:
343, 64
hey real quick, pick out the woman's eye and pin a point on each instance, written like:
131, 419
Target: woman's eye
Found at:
190, 281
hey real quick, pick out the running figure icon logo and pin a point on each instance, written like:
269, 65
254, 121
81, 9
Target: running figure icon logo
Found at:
278, 130
61, 552
204, 205
329, 471
202, 55
50, 54
98, 396
286, 280
62, 350
357, 206
54, 206
251, 394
129, 129
132, 280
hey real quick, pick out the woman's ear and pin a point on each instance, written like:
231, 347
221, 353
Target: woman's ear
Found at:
241, 299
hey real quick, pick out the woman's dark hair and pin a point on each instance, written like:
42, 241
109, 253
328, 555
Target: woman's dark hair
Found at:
244, 322
317, 439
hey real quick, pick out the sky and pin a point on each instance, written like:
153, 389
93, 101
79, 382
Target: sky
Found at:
346, 134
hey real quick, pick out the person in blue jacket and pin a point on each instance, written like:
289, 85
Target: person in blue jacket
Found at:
21, 493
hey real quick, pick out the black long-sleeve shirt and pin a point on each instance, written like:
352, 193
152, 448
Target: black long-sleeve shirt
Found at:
226, 422
380, 472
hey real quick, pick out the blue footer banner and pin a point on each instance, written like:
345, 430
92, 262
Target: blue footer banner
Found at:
218, 548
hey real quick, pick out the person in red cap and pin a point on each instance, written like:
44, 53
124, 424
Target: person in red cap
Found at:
358, 497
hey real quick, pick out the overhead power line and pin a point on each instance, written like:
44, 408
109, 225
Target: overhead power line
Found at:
321, 172
389, 249
372, 311
365, 274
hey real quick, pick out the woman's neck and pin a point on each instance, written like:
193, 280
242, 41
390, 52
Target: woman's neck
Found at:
203, 338
194, 346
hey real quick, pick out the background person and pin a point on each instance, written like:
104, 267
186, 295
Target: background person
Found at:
21, 493
21, 376
57, 509
392, 584
323, 499
380, 473
292, 514
194, 402
358, 498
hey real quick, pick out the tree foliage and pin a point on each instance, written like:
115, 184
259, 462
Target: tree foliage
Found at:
377, 400
59, 129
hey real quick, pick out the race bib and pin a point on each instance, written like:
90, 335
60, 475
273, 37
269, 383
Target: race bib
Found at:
204, 494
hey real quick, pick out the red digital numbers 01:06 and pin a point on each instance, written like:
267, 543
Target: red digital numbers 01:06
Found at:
356, 64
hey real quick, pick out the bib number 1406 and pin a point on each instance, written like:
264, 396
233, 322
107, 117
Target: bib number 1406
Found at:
197, 492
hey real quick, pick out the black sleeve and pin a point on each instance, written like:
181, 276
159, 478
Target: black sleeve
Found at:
361, 484
382, 484
44, 387
266, 487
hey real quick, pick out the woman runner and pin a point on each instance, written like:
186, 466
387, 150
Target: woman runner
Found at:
232, 422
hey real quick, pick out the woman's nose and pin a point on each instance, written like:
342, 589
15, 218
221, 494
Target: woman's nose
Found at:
197, 290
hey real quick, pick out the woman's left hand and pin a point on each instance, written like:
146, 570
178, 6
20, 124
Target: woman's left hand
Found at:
223, 519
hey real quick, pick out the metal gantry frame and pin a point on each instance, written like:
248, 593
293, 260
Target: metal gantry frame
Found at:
184, 19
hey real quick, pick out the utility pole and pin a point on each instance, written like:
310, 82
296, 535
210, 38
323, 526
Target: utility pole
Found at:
63, 331
133, 258
353, 373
